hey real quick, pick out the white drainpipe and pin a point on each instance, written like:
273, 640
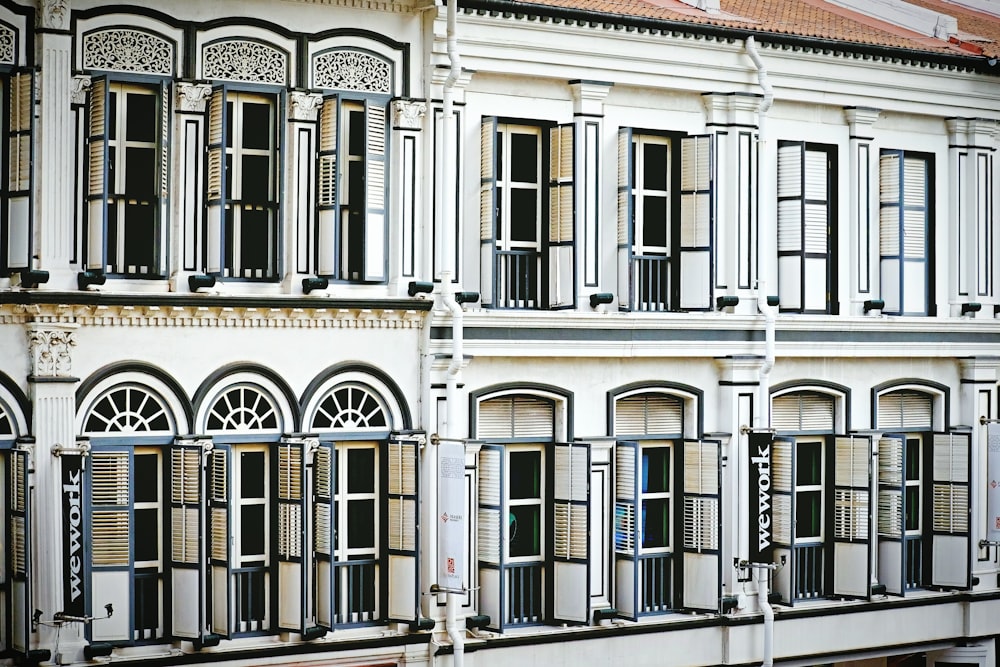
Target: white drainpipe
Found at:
448, 189
765, 211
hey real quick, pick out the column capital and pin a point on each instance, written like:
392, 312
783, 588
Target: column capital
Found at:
740, 369
589, 96
53, 14
979, 369
79, 87
304, 106
408, 114
51, 347
192, 96
861, 118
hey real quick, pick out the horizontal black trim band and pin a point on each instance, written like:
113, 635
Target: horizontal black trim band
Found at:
33, 297
42, 379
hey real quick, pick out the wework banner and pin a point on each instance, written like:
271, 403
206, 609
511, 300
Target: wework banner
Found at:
760, 497
993, 481
72, 494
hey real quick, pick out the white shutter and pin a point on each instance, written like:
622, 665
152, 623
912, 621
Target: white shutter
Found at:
802, 411
404, 542
110, 537
487, 211
376, 238
852, 516
571, 532
891, 570
97, 169
186, 553
783, 515
951, 539
626, 216
562, 218
701, 496
292, 574
220, 538
649, 414
516, 417
491, 525
327, 205
696, 222
20, 552
19, 178
626, 529
324, 461
217, 194
905, 410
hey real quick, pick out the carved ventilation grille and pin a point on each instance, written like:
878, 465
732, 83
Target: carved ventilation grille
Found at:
243, 60
7, 42
351, 406
128, 409
241, 409
124, 50
352, 70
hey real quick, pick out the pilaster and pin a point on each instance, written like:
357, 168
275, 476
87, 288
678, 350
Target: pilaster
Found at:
978, 399
588, 120
408, 119
863, 213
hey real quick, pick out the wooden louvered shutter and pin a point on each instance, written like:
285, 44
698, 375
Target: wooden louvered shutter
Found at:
905, 410
802, 411
327, 192
324, 483
891, 510
626, 529
163, 178
571, 532
20, 551
110, 537
852, 516
626, 219
516, 417
19, 235
951, 497
903, 229
218, 183
293, 583
98, 185
562, 217
220, 539
783, 515
649, 414
492, 527
376, 238
488, 212
803, 218
187, 525
701, 498
697, 216
403, 540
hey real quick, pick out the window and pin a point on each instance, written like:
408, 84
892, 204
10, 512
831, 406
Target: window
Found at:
126, 520
352, 173
905, 229
664, 221
16, 241
806, 218
666, 511
242, 234
923, 497
127, 184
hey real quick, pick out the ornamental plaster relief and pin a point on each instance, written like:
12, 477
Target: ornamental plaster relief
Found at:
51, 350
53, 14
305, 106
193, 96
211, 317
407, 114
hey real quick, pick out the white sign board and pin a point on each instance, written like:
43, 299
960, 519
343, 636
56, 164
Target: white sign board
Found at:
451, 517
993, 481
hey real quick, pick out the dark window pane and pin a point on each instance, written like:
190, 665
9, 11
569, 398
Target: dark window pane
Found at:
147, 603
524, 158
112, 182
656, 523
146, 531
654, 221
255, 250
656, 470
807, 513
353, 235
356, 139
145, 472
654, 167
111, 113
256, 125
361, 524
251, 530
256, 185
229, 125
140, 238
360, 470
140, 123
525, 475
808, 463
140, 173
524, 215
912, 518
524, 530
912, 459
251, 474
498, 170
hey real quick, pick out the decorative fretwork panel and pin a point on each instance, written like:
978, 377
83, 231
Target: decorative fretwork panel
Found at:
351, 406
128, 409
7, 45
352, 70
125, 50
244, 60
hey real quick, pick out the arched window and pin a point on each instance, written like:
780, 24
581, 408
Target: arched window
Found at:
351, 406
243, 408
128, 409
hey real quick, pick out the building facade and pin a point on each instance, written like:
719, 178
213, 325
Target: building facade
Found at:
662, 333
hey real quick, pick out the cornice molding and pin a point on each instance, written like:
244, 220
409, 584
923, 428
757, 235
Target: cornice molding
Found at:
377, 5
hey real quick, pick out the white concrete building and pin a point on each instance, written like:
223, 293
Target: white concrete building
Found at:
553, 333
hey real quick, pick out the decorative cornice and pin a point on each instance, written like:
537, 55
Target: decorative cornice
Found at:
45, 317
51, 349
379, 5
407, 114
861, 118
